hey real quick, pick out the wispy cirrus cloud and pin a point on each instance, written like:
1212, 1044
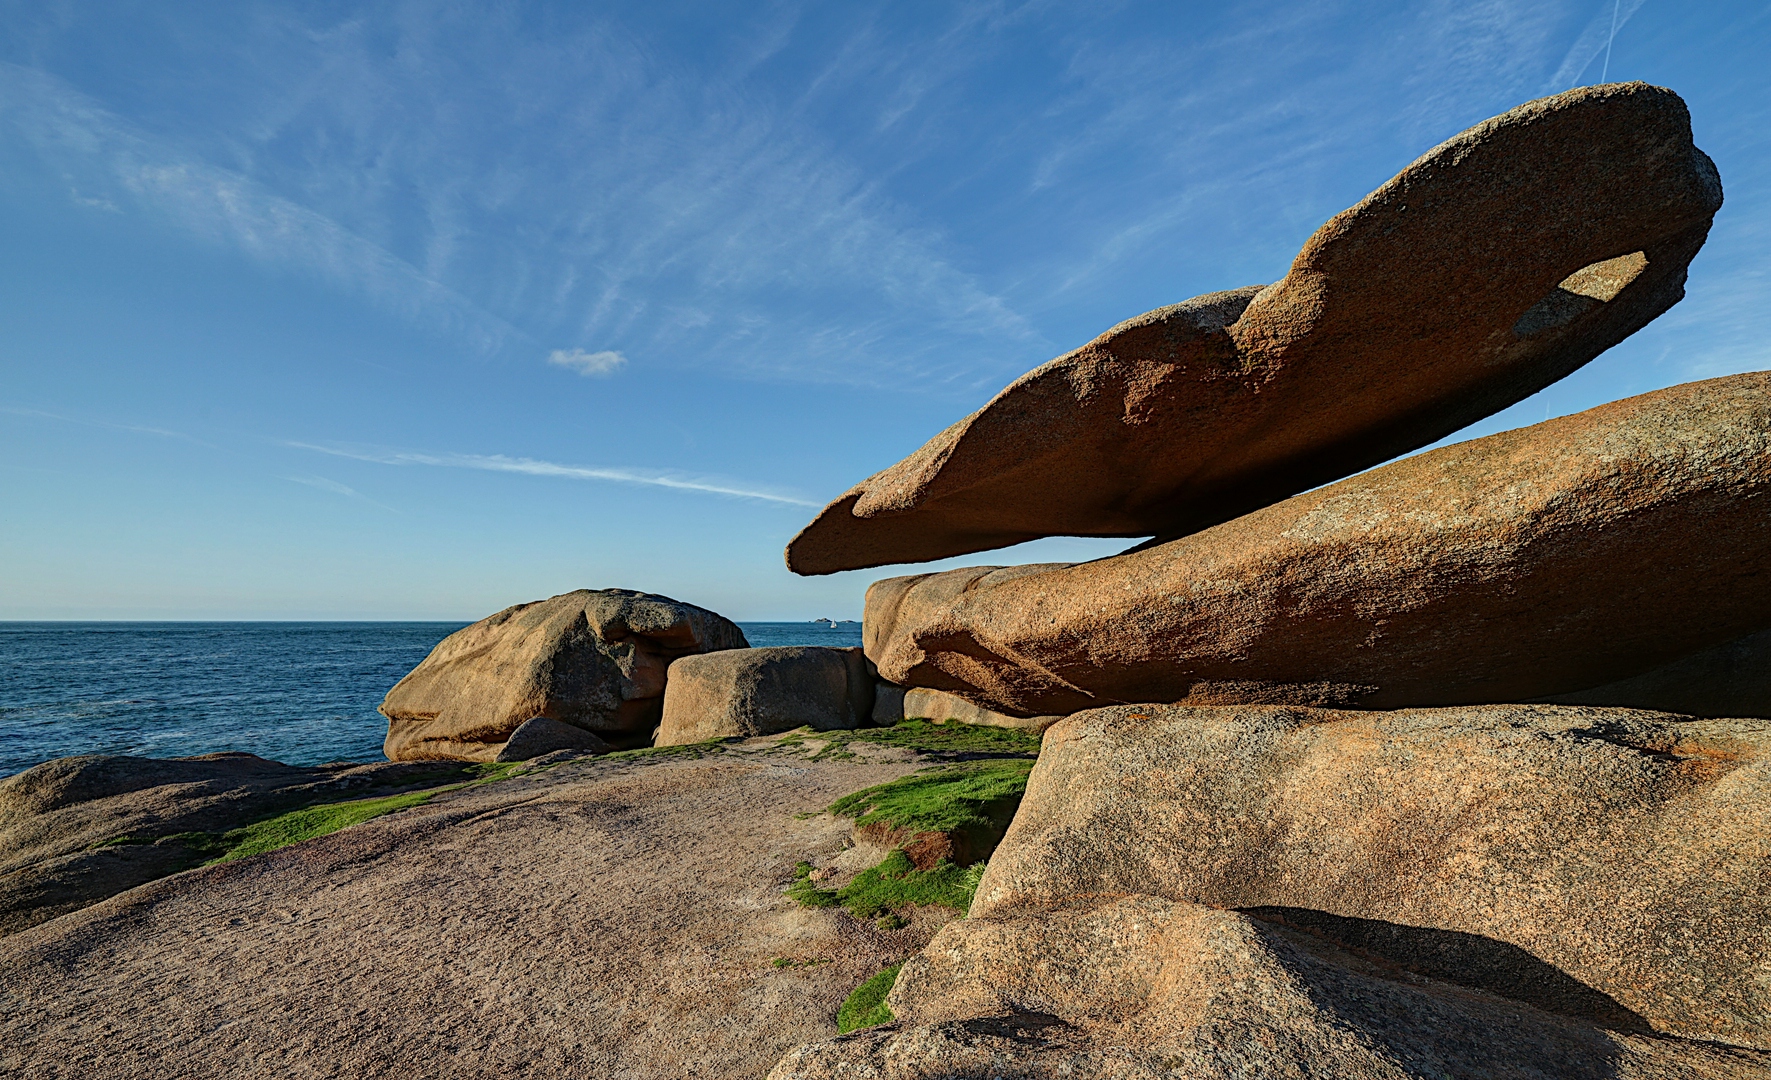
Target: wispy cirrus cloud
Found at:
509, 188
532, 467
120, 164
324, 484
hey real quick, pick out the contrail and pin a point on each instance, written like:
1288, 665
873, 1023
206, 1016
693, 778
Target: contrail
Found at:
531, 467
1606, 70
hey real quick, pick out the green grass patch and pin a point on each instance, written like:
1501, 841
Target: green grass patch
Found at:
299, 825
979, 798
794, 962
806, 892
293, 826
867, 1005
686, 750
896, 882
893, 884
943, 739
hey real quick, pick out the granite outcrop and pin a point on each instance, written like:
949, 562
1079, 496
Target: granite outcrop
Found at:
591, 659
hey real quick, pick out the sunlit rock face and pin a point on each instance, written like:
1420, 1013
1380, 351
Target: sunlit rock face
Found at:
1499, 262
1536, 562
1240, 891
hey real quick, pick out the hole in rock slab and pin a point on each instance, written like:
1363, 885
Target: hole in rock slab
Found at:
1580, 292
1480, 963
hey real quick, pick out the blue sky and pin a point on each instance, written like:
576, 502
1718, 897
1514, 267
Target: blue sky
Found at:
419, 310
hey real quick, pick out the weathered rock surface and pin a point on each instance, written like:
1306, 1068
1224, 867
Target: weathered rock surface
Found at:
600, 918
1497, 263
763, 691
55, 816
1541, 561
1142, 987
1730, 679
894, 704
594, 659
1607, 864
538, 736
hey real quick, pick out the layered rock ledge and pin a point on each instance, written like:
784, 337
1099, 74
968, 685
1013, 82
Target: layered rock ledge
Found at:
1547, 560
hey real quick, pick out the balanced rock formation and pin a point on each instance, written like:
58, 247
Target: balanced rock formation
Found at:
895, 704
1603, 863
593, 659
76, 830
1497, 263
746, 692
1541, 561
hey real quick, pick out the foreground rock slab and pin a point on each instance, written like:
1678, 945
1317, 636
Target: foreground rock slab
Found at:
1541, 561
1605, 864
597, 918
76, 830
747, 692
1140, 988
1496, 264
593, 659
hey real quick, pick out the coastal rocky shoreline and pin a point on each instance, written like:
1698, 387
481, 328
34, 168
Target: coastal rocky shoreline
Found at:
1458, 765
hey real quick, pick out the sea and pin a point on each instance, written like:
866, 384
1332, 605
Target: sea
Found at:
297, 692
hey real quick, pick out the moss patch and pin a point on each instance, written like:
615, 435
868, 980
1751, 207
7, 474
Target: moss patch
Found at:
299, 825
978, 800
945, 740
893, 884
781, 962
805, 892
867, 1005
318, 819
686, 750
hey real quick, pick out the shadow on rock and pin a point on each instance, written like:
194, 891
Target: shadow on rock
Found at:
1470, 960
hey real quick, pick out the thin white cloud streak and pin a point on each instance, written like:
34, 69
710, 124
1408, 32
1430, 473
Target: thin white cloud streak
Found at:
532, 467
324, 484
336, 488
606, 362
1593, 38
132, 428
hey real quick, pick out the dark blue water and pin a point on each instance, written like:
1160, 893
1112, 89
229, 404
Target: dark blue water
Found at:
304, 693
